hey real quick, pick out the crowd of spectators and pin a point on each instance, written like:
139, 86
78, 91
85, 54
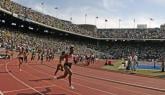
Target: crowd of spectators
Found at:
144, 50
150, 33
30, 14
13, 39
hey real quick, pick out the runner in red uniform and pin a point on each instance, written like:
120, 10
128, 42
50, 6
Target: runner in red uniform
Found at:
68, 61
61, 63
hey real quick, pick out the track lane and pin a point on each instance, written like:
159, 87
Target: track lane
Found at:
82, 83
135, 80
50, 80
84, 90
20, 81
24, 77
88, 73
114, 88
31, 79
6, 81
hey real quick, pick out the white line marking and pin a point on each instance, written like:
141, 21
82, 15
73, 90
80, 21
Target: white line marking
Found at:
125, 83
22, 81
118, 88
18, 90
95, 89
113, 87
77, 83
110, 79
55, 85
119, 82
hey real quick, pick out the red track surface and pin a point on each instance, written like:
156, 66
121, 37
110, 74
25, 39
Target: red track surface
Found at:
37, 79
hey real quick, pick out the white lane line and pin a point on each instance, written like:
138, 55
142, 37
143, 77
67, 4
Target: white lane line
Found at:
18, 90
77, 83
113, 87
54, 84
119, 82
122, 82
119, 88
21, 81
125, 83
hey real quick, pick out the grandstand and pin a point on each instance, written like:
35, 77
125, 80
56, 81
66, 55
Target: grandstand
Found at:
23, 27
19, 18
19, 22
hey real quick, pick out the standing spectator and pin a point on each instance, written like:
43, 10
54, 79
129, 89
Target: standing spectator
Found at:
129, 63
162, 65
133, 61
154, 62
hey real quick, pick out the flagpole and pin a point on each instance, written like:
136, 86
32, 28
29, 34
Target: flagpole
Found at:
42, 5
149, 23
70, 19
134, 23
96, 21
119, 22
85, 18
109, 24
151, 20
56, 11
106, 22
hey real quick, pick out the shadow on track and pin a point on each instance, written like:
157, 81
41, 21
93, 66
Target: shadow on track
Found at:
39, 80
47, 90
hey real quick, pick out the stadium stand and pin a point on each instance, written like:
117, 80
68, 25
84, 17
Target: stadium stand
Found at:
150, 33
143, 49
29, 14
14, 38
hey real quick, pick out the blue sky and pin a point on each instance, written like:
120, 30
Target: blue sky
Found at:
112, 10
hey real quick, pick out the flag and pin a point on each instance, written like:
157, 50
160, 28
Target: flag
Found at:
70, 18
151, 19
42, 3
134, 20
56, 8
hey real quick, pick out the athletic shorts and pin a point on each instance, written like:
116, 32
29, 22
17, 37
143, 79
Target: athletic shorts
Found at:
42, 58
25, 57
68, 64
20, 58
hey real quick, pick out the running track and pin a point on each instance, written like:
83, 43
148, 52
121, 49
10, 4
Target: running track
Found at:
37, 79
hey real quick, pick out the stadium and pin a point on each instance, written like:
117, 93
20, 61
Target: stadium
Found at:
105, 61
